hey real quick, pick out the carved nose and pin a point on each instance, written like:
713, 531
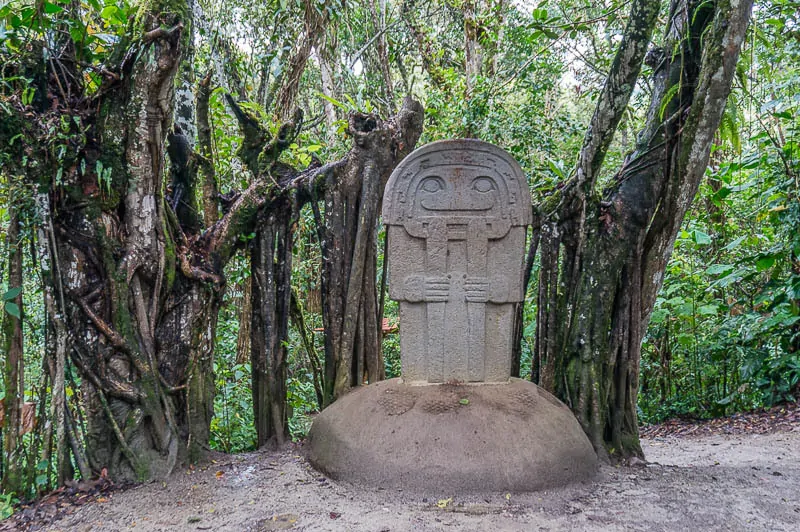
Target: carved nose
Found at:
438, 202
463, 201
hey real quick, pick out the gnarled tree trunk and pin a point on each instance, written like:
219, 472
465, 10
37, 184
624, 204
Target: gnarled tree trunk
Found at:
133, 270
142, 314
603, 254
353, 192
271, 267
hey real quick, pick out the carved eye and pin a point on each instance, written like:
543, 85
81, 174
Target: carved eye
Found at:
432, 184
483, 184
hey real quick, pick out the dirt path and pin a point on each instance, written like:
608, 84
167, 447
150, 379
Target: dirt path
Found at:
710, 482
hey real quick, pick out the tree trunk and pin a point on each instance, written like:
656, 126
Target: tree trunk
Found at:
351, 327
328, 68
184, 108
381, 60
13, 480
316, 21
299, 322
204, 158
131, 293
603, 255
473, 51
353, 194
57, 341
271, 267
143, 328
519, 322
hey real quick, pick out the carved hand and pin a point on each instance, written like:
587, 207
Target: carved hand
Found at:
417, 288
437, 289
477, 289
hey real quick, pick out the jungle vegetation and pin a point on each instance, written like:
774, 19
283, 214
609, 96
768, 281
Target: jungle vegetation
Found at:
193, 256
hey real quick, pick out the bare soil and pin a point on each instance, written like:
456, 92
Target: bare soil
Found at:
705, 480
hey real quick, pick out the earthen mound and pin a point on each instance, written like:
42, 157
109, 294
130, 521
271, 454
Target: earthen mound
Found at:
506, 437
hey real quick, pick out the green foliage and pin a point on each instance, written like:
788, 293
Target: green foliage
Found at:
35, 480
232, 428
226, 140
94, 30
7, 502
391, 344
725, 332
8, 302
301, 400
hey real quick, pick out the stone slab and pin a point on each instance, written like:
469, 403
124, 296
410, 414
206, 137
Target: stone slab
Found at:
456, 213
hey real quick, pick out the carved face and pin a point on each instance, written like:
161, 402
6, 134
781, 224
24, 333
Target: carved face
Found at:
464, 187
461, 193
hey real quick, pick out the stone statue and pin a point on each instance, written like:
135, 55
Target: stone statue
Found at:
456, 213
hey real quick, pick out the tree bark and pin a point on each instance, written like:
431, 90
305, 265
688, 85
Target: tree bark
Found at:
519, 322
299, 322
204, 157
316, 21
184, 92
327, 53
351, 327
378, 14
57, 340
473, 51
131, 292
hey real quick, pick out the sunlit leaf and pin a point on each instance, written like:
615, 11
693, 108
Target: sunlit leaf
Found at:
12, 293
13, 309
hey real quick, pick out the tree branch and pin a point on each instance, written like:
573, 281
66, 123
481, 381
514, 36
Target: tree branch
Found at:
222, 239
720, 53
316, 20
121, 390
116, 340
204, 157
616, 92
254, 136
162, 33
424, 44
403, 129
